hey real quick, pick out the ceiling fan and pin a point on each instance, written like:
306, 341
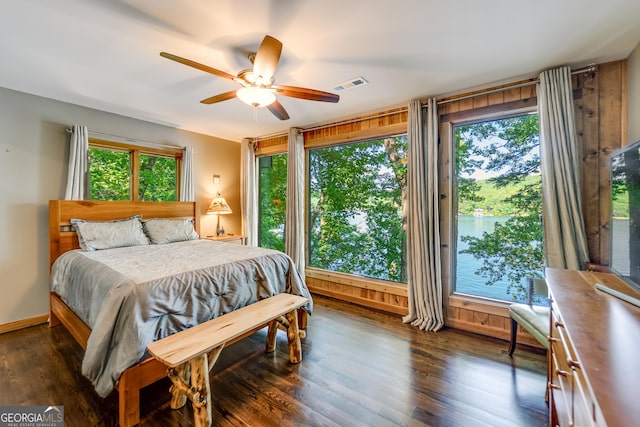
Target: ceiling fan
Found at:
257, 88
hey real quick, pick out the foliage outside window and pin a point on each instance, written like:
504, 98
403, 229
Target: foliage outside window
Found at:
109, 177
272, 193
121, 172
499, 207
157, 178
356, 218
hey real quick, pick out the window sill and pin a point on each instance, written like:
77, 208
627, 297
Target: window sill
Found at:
485, 305
391, 288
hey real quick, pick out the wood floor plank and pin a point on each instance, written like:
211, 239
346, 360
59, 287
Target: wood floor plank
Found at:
360, 367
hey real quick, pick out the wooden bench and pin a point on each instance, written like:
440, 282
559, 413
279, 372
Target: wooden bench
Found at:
190, 354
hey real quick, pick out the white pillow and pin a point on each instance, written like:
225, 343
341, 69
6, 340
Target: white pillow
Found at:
160, 230
96, 235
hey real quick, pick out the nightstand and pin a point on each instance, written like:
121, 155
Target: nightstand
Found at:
231, 238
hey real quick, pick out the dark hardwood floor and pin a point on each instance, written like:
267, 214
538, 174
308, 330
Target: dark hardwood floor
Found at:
360, 368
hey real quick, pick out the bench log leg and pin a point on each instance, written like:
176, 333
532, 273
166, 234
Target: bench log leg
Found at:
293, 335
178, 398
303, 318
213, 355
200, 383
191, 381
271, 336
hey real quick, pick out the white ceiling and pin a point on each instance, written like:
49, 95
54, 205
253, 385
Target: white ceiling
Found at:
104, 54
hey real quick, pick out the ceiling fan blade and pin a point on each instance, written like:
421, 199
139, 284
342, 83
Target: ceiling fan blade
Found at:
266, 60
305, 93
219, 98
198, 66
278, 110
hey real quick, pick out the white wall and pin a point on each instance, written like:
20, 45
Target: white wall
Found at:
633, 119
33, 166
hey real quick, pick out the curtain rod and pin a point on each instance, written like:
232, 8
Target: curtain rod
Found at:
126, 139
591, 68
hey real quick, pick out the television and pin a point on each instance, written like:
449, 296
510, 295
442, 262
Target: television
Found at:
624, 240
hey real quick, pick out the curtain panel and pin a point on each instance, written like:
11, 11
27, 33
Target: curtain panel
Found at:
187, 186
294, 222
424, 278
565, 239
78, 170
249, 192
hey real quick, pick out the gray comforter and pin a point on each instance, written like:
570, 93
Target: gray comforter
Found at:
135, 295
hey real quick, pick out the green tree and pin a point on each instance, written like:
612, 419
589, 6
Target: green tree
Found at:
356, 220
272, 201
157, 178
110, 176
508, 148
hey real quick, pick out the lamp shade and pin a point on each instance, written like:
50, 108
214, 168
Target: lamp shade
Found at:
256, 96
219, 206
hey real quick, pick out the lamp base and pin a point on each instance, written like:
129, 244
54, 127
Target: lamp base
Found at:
219, 230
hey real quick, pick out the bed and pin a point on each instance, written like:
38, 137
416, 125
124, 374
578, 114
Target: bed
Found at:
113, 309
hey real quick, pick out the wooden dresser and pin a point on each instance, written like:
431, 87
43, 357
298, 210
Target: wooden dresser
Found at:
594, 357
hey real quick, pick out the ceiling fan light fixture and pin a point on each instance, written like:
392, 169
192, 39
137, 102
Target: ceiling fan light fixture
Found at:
256, 96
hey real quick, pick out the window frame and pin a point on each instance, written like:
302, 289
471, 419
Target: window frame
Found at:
257, 164
134, 154
447, 125
339, 276
378, 125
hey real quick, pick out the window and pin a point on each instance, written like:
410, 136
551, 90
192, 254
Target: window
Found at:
109, 177
157, 178
356, 197
498, 207
124, 172
272, 196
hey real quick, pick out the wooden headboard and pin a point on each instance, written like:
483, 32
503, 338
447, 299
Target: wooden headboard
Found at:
62, 238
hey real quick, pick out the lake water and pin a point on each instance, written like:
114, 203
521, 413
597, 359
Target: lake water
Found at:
468, 282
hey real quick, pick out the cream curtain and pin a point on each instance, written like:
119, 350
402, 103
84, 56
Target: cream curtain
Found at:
565, 239
294, 222
77, 174
249, 189
424, 279
187, 187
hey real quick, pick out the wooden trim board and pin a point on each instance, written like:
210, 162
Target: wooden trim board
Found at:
24, 323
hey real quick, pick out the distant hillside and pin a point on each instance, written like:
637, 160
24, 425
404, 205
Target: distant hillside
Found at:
493, 203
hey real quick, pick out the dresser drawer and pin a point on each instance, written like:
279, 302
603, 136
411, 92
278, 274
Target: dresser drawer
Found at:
596, 338
560, 395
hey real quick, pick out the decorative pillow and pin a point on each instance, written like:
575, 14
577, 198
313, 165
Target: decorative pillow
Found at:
162, 231
96, 235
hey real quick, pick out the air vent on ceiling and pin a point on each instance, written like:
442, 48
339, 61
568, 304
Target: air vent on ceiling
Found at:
358, 81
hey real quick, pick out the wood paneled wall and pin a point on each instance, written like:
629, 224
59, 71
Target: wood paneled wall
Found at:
387, 123
272, 145
373, 293
601, 121
600, 108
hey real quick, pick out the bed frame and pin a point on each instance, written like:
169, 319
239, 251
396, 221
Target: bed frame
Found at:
63, 239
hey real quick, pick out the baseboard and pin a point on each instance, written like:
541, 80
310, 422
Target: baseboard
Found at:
24, 323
